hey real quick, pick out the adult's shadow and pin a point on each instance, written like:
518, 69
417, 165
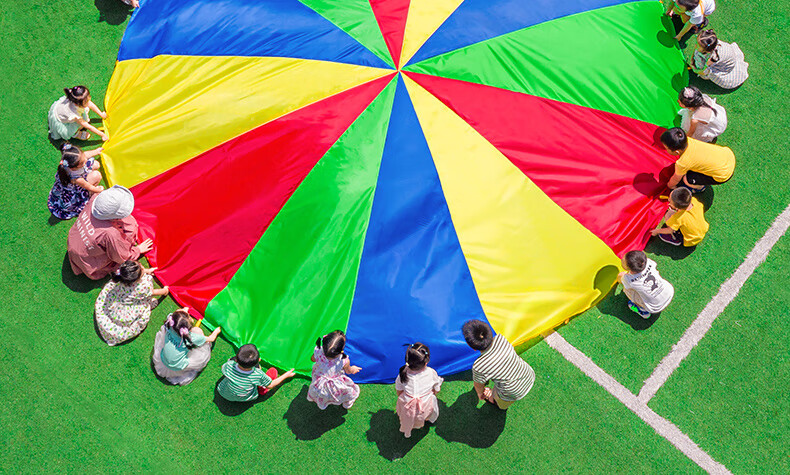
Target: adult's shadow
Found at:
616, 305
384, 432
308, 422
464, 422
78, 283
112, 12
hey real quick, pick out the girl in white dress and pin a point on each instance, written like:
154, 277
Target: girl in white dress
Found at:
701, 117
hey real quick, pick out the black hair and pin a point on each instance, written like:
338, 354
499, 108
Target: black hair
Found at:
129, 272
688, 4
675, 139
69, 158
635, 260
418, 356
78, 95
332, 344
248, 356
181, 323
708, 40
478, 335
681, 196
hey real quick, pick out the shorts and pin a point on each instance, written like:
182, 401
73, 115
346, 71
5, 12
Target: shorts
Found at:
501, 403
696, 178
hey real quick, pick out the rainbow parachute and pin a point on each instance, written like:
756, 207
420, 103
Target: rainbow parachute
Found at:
391, 168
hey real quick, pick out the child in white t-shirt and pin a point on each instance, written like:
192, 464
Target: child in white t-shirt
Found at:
694, 14
647, 291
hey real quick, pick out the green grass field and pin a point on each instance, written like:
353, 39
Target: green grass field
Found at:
73, 404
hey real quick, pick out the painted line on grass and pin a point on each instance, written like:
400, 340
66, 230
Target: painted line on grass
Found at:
727, 292
662, 426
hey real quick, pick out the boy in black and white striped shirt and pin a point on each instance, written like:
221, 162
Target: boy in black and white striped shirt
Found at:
498, 362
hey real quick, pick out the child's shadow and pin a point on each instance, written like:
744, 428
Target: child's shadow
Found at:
464, 422
114, 12
616, 305
78, 283
235, 408
308, 422
709, 87
384, 433
656, 246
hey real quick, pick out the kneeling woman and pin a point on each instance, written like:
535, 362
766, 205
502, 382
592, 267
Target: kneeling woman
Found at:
181, 349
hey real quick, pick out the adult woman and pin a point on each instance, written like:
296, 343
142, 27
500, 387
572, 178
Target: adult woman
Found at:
105, 234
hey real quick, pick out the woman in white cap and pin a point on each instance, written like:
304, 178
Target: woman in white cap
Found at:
105, 234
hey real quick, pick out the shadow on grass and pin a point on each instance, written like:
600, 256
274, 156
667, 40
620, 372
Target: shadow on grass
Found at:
78, 283
616, 305
466, 423
113, 12
709, 87
308, 422
706, 198
659, 247
52, 220
385, 433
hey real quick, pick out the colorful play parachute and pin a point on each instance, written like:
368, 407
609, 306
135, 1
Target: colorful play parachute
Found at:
391, 168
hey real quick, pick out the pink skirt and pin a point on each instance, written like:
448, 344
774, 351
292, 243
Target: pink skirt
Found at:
414, 411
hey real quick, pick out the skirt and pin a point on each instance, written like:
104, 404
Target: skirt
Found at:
67, 201
63, 130
198, 359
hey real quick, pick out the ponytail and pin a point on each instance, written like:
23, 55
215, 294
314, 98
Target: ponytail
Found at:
333, 344
180, 322
69, 158
418, 356
77, 95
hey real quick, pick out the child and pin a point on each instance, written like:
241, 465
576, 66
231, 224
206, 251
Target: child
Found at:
701, 117
124, 305
648, 293
243, 379
417, 385
330, 384
694, 14
720, 62
77, 178
181, 350
699, 164
68, 116
685, 220
498, 362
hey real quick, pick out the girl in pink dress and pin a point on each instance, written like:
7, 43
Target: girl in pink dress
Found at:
330, 384
417, 386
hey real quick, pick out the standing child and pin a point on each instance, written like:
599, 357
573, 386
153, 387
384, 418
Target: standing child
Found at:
647, 291
181, 350
330, 384
244, 380
498, 362
685, 220
417, 385
701, 117
719, 62
694, 14
68, 116
77, 178
124, 305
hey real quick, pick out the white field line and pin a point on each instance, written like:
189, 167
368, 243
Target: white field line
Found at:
727, 292
662, 426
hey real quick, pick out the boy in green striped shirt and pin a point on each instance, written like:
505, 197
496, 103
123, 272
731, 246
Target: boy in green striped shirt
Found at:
498, 362
244, 380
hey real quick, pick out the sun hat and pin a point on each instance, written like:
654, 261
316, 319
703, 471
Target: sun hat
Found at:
116, 202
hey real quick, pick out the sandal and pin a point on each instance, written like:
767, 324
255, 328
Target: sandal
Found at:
82, 135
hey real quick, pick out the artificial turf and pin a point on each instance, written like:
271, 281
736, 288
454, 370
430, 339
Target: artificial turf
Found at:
73, 404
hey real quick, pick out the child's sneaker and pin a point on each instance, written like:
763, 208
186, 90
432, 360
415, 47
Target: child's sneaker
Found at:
635, 308
671, 239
